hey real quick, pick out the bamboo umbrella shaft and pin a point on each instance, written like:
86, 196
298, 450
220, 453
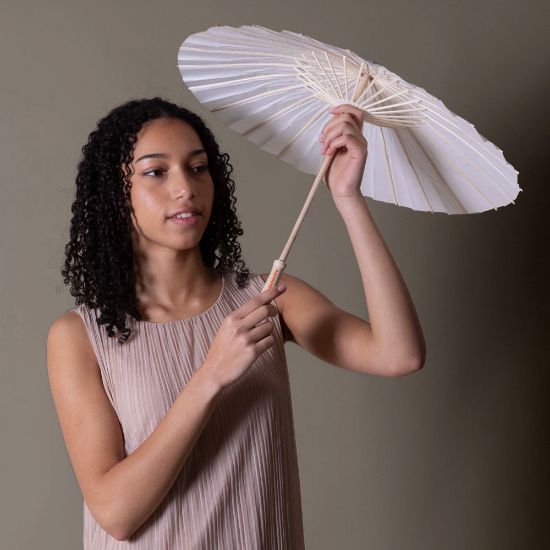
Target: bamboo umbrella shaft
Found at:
279, 265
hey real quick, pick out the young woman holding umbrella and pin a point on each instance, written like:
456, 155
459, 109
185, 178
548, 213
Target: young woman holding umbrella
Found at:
179, 423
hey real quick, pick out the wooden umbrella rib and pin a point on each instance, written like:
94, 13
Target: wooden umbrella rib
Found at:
311, 44
419, 181
304, 128
310, 69
324, 72
490, 153
297, 44
370, 84
390, 121
256, 97
222, 51
459, 169
304, 74
357, 78
367, 100
427, 102
398, 113
345, 76
398, 118
440, 180
395, 198
334, 74
236, 81
465, 142
390, 109
437, 110
384, 99
314, 87
254, 38
280, 113
225, 65
278, 37
322, 93
395, 121
393, 105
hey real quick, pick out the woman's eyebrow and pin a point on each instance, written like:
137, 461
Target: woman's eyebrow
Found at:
166, 155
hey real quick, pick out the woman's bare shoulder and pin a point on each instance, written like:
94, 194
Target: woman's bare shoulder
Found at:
68, 332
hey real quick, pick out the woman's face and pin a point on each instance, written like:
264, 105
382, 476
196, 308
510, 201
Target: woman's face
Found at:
170, 173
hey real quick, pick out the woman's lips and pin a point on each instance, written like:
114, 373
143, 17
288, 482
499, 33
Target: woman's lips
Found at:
186, 221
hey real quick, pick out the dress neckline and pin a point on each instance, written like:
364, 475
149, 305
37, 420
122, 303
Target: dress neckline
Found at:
198, 316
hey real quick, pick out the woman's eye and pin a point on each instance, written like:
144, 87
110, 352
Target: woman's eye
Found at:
201, 168
152, 171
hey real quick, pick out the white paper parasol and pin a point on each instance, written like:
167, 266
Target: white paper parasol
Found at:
276, 89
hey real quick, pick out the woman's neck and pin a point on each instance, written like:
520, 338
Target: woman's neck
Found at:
171, 282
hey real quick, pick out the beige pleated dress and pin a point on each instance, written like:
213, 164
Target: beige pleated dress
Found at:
239, 488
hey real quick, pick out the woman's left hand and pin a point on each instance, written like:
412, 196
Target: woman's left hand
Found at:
343, 136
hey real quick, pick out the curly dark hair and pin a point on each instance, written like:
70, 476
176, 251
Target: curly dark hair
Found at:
99, 257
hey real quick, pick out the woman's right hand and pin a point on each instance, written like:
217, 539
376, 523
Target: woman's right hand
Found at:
239, 342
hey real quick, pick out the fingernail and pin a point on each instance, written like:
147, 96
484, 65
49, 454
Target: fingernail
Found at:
281, 287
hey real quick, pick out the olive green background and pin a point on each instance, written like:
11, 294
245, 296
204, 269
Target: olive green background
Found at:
452, 457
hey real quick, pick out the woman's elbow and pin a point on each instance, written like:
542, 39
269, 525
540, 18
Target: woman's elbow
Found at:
409, 367
119, 533
112, 525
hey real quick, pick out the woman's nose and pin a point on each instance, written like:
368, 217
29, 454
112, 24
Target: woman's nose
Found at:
182, 184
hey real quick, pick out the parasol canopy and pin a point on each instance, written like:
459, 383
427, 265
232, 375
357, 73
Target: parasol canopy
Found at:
276, 89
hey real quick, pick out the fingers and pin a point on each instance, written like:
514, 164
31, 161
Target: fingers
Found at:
345, 129
344, 120
262, 330
333, 134
261, 299
356, 113
346, 115
357, 148
260, 315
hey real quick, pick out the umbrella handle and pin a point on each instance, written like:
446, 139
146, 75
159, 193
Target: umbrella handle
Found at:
276, 271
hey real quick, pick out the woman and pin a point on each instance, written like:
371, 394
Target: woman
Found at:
179, 424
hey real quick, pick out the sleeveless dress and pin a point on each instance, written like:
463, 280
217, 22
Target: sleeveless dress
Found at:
239, 488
